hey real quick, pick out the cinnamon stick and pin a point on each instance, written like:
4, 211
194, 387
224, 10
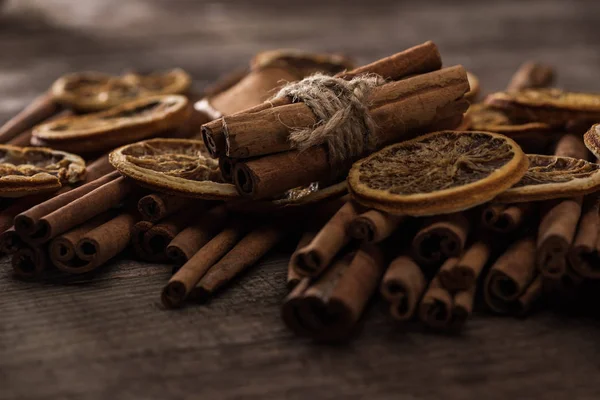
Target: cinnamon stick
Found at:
10, 241
464, 274
570, 145
157, 206
511, 275
98, 168
419, 59
462, 307
435, 309
331, 307
158, 237
417, 98
42, 108
374, 226
28, 223
403, 285
138, 231
531, 75
195, 236
504, 218
76, 212
243, 255
185, 279
293, 277
584, 253
24, 138
441, 237
295, 308
314, 258
61, 249
526, 301
555, 235
226, 166
29, 262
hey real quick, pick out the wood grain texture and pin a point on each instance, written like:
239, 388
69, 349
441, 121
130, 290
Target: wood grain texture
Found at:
107, 336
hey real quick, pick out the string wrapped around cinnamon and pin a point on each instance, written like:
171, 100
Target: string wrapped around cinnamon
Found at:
329, 309
397, 111
440, 237
415, 60
403, 285
42, 108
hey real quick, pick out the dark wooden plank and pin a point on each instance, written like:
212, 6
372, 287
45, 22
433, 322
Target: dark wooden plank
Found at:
107, 336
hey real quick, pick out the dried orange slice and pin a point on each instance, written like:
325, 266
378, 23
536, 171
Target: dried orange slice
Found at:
552, 106
108, 129
438, 173
32, 170
485, 118
95, 91
553, 177
592, 140
304, 63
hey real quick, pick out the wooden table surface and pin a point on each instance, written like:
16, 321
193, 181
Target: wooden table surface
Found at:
107, 336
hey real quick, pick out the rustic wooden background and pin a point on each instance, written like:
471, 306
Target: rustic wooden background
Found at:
107, 336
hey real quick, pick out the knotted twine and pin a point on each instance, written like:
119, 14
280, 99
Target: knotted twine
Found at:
341, 107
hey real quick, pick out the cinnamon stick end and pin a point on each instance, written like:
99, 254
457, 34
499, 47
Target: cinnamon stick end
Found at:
173, 294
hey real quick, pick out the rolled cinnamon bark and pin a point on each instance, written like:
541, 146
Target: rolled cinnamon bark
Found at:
374, 226
314, 258
138, 230
511, 274
78, 211
185, 279
441, 237
526, 301
570, 145
555, 235
531, 75
195, 236
61, 249
8, 215
243, 255
29, 262
42, 108
464, 274
10, 241
419, 59
28, 225
403, 285
584, 253
24, 138
504, 218
226, 166
293, 277
462, 307
98, 168
158, 237
157, 206
294, 309
435, 309
417, 98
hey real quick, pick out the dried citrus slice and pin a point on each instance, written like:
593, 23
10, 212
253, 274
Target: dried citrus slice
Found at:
95, 91
592, 140
32, 170
552, 177
438, 173
552, 106
485, 118
474, 90
111, 128
304, 63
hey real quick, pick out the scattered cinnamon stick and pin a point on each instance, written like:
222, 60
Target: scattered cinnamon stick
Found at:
374, 226
531, 75
419, 59
24, 138
503, 218
138, 231
294, 309
435, 309
10, 241
462, 307
157, 206
226, 166
511, 275
27, 224
403, 285
79, 210
158, 237
314, 258
196, 235
464, 274
526, 301
441, 237
293, 277
570, 145
555, 235
98, 168
243, 255
42, 108
584, 254
185, 279
29, 262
